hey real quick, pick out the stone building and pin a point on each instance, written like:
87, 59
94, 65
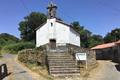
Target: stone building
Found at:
105, 51
108, 51
118, 50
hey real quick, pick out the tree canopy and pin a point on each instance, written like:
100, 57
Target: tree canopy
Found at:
112, 36
87, 39
95, 40
28, 26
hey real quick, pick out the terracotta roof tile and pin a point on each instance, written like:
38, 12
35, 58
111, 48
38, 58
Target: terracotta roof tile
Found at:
118, 42
103, 46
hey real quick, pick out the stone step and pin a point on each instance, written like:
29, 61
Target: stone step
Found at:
61, 61
57, 59
58, 67
64, 72
63, 69
57, 54
66, 75
61, 57
73, 66
62, 64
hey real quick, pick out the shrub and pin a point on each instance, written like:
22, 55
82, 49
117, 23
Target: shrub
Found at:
14, 48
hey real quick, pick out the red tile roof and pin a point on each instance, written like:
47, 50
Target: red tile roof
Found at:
118, 42
103, 46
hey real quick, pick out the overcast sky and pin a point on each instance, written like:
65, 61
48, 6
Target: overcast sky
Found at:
98, 16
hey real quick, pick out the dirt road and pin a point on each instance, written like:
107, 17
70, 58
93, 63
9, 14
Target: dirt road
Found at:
17, 71
106, 70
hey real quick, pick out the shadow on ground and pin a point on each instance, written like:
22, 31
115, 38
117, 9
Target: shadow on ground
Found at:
118, 67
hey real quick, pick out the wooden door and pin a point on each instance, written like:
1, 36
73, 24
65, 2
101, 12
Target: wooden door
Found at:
52, 44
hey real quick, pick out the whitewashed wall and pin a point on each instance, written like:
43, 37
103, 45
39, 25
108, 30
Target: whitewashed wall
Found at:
62, 33
45, 33
55, 30
74, 37
42, 36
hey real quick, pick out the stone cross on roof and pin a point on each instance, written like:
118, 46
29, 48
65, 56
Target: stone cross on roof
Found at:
51, 10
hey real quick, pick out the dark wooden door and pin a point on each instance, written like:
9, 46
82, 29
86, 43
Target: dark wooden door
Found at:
52, 44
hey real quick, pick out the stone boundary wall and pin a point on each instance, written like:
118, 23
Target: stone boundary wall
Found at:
118, 54
91, 56
32, 56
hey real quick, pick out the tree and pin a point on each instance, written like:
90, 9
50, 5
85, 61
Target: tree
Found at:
84, 33
95, 40
114, 35
28, 26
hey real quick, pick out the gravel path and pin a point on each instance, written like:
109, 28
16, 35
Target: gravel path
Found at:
18, 72
105, 71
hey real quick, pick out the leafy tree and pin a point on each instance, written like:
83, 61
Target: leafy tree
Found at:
28, 26
95, 40
84, 33
87, 39
114, 35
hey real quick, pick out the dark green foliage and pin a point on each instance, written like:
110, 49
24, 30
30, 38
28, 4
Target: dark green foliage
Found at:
14, 48
114, 35
87, 39
84, 34
95, 40
28, 27
6, 39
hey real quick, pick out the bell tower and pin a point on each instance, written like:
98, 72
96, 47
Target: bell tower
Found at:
51, 10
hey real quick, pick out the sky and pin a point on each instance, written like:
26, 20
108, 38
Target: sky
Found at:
98, 16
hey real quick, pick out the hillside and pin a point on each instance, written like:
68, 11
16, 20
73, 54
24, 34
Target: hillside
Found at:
6, 38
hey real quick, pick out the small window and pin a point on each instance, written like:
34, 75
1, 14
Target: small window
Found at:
51, 24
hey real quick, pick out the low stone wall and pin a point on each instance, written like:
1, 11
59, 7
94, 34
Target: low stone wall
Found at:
32, 56
118, 54
91, 56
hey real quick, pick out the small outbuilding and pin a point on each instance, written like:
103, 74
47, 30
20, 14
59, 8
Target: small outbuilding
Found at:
106, 51
118, 50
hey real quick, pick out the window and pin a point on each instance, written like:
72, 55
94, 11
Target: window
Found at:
51, 24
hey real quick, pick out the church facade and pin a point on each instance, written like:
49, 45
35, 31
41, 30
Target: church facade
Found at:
55, 32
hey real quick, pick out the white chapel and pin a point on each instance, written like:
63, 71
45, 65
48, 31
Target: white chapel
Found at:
56, 32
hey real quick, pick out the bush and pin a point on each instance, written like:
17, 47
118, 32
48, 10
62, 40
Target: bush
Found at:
14, 48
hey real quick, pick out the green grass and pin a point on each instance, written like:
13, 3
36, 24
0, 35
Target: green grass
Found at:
14, 48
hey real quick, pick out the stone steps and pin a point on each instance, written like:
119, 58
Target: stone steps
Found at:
64, 69
66, 75
62, 64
